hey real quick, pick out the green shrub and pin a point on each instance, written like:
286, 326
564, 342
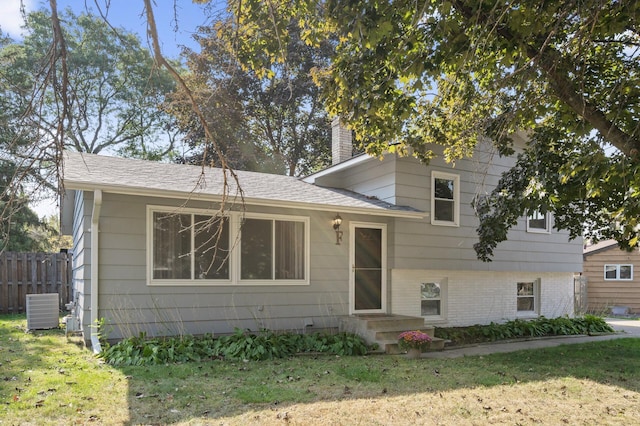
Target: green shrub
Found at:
240, 345
561, 326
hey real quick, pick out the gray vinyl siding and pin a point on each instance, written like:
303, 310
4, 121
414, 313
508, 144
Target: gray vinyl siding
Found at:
416, 244
419, 244
603, 294
373, 177
131, 306
81, 258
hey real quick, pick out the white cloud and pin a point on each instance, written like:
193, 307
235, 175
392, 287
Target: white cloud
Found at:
11, 17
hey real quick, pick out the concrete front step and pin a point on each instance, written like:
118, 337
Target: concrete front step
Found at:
393, 334
392, 348
395, 323
384, 329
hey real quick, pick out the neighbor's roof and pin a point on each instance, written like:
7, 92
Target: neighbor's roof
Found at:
598, 247
146, 178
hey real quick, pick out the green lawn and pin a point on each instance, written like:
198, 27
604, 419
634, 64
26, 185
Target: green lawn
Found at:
45, 379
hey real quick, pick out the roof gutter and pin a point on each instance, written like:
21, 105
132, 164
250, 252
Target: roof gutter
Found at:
95, 240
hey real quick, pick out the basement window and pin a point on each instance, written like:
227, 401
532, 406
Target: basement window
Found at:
432, 299
527, 297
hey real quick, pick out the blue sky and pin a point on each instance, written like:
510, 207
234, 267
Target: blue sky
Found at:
129, 15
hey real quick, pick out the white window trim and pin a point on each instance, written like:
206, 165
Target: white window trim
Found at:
456, 198
307, 247
443, 301
235, 219
536, 299
189, 281
617, 278
546, 230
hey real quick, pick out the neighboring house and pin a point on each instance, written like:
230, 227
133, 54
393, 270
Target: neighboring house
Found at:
611, 279
148, 256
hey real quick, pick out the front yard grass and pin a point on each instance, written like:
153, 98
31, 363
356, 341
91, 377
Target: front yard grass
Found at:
45, 379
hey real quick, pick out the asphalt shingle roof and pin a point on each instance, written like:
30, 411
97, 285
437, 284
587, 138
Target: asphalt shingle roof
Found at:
598, 247
123, 175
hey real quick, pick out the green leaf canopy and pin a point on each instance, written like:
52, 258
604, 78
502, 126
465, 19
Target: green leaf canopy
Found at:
423, 74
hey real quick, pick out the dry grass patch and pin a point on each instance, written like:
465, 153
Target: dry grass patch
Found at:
558, 401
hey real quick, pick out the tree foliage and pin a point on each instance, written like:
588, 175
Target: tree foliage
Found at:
271, 121
416, 74
20, 229
112, 88
74, 82
449, 73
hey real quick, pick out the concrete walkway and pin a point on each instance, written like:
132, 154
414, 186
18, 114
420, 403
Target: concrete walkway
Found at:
623, 327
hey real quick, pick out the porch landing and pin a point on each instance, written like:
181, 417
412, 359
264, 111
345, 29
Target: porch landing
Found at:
384, 329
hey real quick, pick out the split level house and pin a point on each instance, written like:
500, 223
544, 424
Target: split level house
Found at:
364, 238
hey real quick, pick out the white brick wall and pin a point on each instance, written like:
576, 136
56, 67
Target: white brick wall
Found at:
474, 297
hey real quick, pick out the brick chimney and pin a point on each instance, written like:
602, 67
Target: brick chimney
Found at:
341, 142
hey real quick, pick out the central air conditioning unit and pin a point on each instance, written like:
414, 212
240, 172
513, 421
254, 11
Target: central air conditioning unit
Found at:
42, 311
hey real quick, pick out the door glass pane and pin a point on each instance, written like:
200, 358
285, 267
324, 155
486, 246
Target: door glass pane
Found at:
368, 294
211, 247
256, 255
368, 249
289, 250
171, 246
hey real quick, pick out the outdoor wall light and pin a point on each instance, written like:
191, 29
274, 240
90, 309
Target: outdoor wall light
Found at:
337, 221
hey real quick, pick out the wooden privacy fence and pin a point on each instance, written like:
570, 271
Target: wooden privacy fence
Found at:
33, 273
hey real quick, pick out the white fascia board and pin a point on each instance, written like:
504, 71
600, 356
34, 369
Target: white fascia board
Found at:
236, 199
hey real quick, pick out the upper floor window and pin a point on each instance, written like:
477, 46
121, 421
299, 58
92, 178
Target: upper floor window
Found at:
618, 272
538, 222
189, 246
445, 199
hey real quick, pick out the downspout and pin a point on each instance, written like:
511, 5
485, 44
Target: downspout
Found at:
95, 220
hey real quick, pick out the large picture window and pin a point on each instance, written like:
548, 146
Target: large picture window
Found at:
273, 249
189, 246
445, 199
618, 272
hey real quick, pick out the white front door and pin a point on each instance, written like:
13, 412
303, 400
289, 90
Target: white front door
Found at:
368, 259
